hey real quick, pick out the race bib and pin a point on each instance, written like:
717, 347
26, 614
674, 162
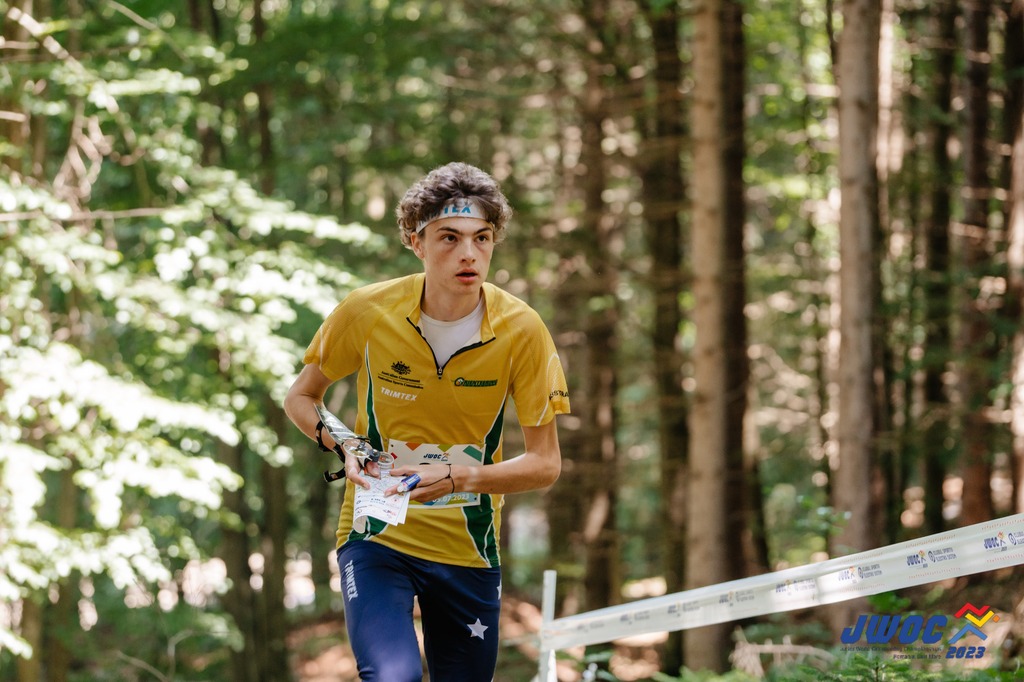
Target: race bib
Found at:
413, 454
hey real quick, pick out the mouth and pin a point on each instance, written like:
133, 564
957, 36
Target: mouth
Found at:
466, 275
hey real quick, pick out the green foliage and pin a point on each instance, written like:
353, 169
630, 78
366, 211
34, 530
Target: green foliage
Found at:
162, 266
846, 668
778, 627
873, 668
860, 667
162, 639
687, 675
149, 308
889, 602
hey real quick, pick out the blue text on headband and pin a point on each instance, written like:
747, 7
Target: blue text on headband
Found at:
456, 208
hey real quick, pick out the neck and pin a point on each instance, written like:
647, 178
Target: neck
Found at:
450, 308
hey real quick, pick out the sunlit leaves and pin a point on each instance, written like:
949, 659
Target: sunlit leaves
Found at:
34, 553
146, 322
22, 491
60, 374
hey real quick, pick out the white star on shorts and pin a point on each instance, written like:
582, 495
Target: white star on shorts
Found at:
476, 629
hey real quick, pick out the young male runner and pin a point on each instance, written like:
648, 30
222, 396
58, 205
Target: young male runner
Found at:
438, 355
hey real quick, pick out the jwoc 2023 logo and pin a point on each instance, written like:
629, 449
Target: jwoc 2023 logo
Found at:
906, 630
976, 618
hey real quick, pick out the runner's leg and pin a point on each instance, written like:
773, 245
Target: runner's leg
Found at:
378, 591
460, 608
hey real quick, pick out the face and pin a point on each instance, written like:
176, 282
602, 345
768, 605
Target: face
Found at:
456, 255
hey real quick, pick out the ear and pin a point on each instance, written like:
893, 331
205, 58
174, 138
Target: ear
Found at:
416, 243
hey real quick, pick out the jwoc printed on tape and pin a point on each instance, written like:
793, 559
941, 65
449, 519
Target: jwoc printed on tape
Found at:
974, 549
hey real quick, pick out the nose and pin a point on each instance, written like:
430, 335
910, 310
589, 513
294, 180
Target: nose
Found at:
468, 250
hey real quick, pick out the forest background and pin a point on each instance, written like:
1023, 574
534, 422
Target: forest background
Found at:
780, 246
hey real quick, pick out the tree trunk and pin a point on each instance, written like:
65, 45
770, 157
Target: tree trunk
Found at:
263, 110
888, 474
857, 75
716, 467
273, 546
935, 443
664, 192
211, 145
239, 599
1015, 253
14, 126
31, 626
813, 266
1013, 98
565, 508
975, 345
601, 577
744, 517
62, 618
322, 525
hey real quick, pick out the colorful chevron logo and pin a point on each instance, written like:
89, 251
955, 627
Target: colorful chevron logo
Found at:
977, 618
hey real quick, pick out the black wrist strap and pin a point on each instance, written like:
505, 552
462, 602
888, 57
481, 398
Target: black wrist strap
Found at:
330, 476
323, 448
319, 439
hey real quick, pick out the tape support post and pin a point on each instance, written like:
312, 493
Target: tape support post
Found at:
973, 549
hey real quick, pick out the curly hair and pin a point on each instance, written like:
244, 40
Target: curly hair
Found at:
455, 180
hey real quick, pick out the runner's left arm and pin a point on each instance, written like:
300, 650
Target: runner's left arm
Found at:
537, 467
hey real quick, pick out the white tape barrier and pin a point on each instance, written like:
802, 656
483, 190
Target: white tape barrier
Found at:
974, 549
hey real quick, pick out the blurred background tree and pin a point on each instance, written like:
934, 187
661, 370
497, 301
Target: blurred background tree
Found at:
186, 189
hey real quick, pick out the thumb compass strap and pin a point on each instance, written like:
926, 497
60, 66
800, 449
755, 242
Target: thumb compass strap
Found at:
330, 476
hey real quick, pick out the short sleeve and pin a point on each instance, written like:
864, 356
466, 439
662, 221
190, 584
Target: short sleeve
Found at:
337, 346
538, 383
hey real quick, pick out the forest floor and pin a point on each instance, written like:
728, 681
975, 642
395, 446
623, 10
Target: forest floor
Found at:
322, 653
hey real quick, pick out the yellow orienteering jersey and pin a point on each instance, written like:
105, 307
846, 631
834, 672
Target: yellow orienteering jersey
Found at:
406, 401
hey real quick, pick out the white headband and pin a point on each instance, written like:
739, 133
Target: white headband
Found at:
456, 208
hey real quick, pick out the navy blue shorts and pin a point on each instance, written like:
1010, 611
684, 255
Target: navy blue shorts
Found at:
459, 607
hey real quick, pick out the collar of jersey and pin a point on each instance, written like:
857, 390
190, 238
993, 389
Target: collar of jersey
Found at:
490, 300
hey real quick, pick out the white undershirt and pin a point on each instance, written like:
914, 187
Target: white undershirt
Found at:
446, 338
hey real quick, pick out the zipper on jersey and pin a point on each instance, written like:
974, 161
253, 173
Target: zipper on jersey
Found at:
478, 344
438, 367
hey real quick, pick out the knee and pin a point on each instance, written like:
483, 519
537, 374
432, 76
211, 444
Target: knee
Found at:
393, 670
